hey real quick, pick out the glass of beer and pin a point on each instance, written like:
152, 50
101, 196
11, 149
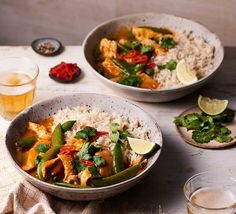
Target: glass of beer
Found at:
17, 85
211, 193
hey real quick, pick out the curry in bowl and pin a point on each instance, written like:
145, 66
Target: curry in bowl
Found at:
154, 58
84, 147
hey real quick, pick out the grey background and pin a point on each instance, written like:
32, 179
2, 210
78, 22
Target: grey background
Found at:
21, 21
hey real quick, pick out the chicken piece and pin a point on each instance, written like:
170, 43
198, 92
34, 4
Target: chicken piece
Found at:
107, 169
108, 48
40, 130
84, 177
52, 168
123, 41
31, 154
110, 67
145, 33
148, 82
78, 143
67, 162
158, 49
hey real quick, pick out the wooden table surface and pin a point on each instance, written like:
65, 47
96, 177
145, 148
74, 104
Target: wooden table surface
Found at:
178, 160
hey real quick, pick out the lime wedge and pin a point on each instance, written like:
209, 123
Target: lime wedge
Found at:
212, 106
141, 147
184, 74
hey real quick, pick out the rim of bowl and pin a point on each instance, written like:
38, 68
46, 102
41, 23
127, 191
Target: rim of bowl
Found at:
180, 88
146, 169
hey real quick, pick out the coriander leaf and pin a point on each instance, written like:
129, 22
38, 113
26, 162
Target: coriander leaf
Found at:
114, 137
82, 135
78, 166
94, 172
223, 138
131, 80
99, 161
202, 137
83, 151
87, 157
86, 133
42, 148
38, 159
167, 42
170, 65
146, 49
93, 149
114, 127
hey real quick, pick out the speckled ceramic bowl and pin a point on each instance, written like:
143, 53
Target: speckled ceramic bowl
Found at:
49, 107
108, 28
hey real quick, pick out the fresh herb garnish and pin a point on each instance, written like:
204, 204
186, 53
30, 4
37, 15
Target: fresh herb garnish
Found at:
170, 65
94, 172
87, 151
78, 166
114, 127
146, 49
99, 161
167, 42
42, 148
38, 160
206, 128
86, 133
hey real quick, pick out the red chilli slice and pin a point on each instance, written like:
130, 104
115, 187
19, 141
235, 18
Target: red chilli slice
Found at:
87, 162
65, 72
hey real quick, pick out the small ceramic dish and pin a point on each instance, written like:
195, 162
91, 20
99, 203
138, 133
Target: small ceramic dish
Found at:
47, 46
187, 135
111, 104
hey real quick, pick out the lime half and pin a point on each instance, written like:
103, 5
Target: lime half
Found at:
141, 147
212, 106
184, 74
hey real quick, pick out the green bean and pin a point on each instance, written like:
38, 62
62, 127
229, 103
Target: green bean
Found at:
67, 125
26, 142
57, 143
139, 67
117, 178
149, 71
57, 136
118, 162
123, 65
123, 47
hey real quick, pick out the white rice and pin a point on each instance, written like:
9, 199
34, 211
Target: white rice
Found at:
197, 52
100, 120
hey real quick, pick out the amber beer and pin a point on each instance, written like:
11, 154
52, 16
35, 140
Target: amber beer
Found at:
214, 200
212, 192
17, 87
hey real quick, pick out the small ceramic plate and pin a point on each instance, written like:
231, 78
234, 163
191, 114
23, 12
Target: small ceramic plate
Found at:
47, 46
187, 135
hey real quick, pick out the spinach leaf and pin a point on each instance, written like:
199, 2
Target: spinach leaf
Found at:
42, 148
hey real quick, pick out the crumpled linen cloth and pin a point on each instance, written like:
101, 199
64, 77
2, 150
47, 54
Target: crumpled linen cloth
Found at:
24, 198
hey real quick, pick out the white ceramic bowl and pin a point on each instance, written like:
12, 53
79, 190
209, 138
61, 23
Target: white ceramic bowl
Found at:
49, 107
108, 28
